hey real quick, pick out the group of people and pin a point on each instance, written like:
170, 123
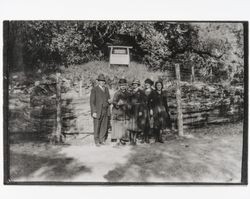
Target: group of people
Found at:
135, 111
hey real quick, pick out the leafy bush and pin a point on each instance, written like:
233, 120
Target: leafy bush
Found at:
88, 73
216, 50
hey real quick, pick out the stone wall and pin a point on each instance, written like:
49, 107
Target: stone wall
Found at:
34, 110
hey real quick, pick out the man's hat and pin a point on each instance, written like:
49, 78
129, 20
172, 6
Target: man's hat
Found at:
149, 81
122, 81
101, 77
136, 81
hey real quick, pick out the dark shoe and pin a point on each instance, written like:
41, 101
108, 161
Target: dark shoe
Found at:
161, 141
122, 142
125, 139
102, 143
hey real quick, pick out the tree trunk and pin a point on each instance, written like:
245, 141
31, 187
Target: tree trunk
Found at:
178, 99
15, 47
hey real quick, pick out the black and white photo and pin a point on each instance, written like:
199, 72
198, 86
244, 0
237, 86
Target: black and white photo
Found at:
125, 102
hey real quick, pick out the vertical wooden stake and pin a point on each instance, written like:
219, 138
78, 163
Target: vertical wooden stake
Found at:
211, 74
80, 87
58, 133
178, 99
192, 75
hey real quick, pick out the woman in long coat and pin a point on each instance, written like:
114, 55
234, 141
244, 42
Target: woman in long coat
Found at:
120, 112
160, 111
138, 111
150, 100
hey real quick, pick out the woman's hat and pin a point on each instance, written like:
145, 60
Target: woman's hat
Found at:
101, 77
136, 81
122, 81
149, 81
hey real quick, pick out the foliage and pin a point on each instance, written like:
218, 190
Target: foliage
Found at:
88, 72
221, 45
215, 49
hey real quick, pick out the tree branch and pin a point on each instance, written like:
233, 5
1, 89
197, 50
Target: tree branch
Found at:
199, 52
202, 53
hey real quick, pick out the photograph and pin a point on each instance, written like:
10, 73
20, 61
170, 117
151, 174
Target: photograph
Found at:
118, 102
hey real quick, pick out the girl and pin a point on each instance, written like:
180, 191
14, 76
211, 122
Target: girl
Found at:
120, 115
150, 95
138, 111
160, 112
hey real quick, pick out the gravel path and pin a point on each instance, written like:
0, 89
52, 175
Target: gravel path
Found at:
205, 155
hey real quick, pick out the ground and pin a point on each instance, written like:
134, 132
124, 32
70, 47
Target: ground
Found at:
211, 154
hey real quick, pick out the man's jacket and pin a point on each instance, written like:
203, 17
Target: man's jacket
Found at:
99, 101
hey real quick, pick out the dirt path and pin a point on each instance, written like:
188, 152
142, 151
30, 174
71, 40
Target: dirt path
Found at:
205, 155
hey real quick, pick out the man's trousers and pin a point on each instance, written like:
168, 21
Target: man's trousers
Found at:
101, 128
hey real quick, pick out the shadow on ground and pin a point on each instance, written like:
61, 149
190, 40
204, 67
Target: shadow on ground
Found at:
211, 154
46, 166
200, 158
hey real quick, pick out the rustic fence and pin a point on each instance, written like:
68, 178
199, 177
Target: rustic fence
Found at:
50, 108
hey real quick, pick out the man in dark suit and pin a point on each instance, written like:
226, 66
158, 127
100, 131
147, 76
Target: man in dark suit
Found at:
100, 110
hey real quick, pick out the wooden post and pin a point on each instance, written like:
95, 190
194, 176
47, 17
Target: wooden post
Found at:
80, 86
192, 75
57, 134
211, 74
178, 99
